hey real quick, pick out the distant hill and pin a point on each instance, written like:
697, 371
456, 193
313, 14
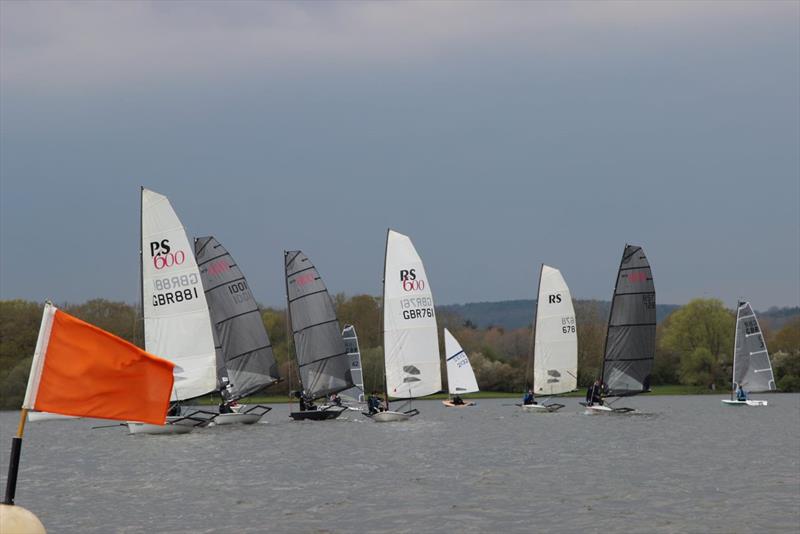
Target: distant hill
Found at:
512, 314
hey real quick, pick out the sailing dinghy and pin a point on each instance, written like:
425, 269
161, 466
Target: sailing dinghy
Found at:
410, 338
246, 362
751, 366
177, 324
555, 342
322, 358
631, 336
354, 395
460, 376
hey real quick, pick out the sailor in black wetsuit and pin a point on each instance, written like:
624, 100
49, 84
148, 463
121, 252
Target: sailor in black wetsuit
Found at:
594, 394
224, 407
457, 400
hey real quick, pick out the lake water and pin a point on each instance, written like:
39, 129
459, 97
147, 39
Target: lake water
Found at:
687, 464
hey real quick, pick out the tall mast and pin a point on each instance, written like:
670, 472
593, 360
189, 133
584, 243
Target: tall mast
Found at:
610, 315
383, 318
141, 262
532, 347
289, 333
735, 335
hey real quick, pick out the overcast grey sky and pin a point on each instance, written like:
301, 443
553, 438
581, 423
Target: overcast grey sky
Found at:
496, 135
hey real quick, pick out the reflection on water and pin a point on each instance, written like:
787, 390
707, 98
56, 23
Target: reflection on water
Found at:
687, 464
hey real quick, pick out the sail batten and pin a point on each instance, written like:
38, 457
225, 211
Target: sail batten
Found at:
631, 334
752, 368
555, 359
177, 325
247, 363
410, 337
322, 357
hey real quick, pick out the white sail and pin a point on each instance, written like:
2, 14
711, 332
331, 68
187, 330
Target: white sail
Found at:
751, 366
555, 360
177, 324
460, 377
355, 393
410, 339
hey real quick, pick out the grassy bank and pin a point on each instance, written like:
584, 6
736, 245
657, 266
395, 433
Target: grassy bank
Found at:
657, 390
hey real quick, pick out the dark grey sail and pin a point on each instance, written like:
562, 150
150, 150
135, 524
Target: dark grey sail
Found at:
751, 366
247, 360
631, 337
321, 355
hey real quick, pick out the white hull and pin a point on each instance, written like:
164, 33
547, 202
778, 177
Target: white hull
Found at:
35, 417
390, 417
596, 409
535, 408
745, 403
182, 426
237, 419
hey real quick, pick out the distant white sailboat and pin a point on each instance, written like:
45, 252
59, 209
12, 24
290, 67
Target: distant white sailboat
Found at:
752, 369
410, 337
460, 376
354, 395
555, 341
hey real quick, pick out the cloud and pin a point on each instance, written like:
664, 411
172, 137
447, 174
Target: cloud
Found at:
61, 45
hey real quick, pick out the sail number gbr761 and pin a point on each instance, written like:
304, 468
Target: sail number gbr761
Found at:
417, 307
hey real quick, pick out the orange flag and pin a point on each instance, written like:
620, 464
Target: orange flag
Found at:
79, 369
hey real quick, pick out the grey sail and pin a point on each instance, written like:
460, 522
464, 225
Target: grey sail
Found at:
246, 358
631, 337
751, 365
321, 354
355, 393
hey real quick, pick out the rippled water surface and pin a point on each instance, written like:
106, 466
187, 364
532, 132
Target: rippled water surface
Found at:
686, 464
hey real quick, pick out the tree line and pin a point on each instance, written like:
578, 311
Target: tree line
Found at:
694, 344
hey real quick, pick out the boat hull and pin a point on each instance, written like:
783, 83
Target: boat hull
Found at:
597, 409
745, 403
237, 419
35, 417
450, 404
389, 417
541, 408
316, 415
170, 428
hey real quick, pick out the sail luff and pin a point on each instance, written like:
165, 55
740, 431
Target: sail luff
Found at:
247, 361
320, 351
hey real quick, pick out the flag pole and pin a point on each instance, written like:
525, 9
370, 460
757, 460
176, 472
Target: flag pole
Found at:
13, 465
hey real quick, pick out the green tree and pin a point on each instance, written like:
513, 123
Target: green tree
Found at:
363, 312
698, 367
701, 324
785, 352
